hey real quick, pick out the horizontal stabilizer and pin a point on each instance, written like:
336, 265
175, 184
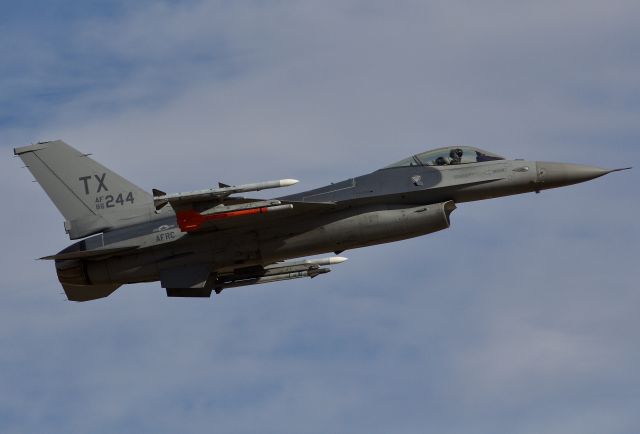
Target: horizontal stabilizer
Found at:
88, 292
90, 254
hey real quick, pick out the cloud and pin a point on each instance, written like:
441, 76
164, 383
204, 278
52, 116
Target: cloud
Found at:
519, 318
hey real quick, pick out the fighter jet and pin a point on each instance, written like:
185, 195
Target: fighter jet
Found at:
199, 242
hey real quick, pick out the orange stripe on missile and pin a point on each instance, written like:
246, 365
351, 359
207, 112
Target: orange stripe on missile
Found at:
190, 221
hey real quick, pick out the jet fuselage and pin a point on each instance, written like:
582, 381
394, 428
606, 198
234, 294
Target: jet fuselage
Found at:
192, 247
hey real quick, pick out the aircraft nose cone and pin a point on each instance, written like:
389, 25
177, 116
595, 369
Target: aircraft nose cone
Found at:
560, 174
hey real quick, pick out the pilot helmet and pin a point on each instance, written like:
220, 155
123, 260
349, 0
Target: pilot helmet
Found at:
456, 153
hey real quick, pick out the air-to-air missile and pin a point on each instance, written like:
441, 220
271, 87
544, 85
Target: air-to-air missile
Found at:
202, 241
276, 272
161, 198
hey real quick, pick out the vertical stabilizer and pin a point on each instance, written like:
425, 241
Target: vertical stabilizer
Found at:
91, 197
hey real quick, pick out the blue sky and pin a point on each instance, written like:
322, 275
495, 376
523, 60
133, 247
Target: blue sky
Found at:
522, 317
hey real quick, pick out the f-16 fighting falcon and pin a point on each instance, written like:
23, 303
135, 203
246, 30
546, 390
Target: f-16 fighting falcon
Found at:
209, 240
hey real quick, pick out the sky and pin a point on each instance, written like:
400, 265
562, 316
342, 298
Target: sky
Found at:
521, 318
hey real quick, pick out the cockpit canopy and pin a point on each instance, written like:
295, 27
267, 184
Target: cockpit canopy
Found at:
447, 156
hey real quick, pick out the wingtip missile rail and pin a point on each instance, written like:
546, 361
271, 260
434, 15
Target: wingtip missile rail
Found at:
160, 198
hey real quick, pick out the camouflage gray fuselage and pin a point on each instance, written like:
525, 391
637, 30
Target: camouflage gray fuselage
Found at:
383, 206
143, 240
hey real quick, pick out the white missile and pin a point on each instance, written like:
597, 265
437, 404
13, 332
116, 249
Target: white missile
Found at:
333, 260
288, 182
160, 198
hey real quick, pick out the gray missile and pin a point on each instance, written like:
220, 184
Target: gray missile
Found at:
285, 267
277, 272
269, 279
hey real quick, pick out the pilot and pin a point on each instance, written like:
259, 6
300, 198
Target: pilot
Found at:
456, 156
440, 161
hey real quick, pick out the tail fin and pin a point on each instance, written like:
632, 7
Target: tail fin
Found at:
91, 198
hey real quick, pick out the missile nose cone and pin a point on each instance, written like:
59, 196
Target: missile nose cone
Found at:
552, 175
288, 182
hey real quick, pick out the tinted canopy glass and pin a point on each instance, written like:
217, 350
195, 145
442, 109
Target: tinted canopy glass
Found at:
448, 156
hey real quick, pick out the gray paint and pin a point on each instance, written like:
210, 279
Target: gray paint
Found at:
142, 241
91, 198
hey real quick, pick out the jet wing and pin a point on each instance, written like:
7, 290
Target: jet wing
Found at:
215, 209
